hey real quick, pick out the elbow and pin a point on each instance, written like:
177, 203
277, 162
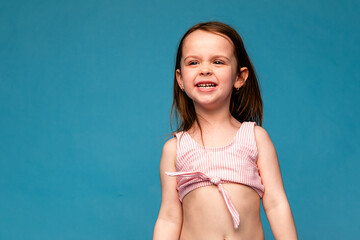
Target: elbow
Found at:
171, 212
173, 215
270, 203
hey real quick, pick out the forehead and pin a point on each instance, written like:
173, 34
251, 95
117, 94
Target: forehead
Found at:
201, 41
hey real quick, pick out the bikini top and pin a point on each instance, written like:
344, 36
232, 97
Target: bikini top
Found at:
199, 166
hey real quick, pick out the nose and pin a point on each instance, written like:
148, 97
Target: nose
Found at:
205, 70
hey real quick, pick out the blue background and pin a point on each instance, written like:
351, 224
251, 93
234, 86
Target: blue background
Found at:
85, 96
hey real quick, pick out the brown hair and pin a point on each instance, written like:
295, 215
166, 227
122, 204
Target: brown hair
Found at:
245, 103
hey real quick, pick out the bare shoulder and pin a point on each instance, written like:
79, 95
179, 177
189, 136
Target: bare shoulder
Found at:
168, 155
262, 137
266, 148
170, 146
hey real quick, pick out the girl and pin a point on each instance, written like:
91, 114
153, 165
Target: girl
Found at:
221, 162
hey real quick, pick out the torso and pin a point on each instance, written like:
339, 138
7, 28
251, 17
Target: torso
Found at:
205, 215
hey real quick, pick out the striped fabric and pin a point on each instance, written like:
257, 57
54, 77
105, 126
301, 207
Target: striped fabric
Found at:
199, 166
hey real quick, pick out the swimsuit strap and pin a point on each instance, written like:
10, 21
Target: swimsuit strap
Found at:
216, 181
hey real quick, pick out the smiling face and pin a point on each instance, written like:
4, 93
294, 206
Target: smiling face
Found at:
208, 69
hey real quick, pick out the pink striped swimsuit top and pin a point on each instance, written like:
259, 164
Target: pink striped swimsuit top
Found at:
199, 166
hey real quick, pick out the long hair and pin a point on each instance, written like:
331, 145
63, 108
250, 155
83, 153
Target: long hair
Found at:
245, 103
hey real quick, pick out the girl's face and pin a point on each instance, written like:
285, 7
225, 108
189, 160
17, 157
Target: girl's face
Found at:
208, 69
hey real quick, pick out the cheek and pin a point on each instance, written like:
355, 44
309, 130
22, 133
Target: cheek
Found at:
187, 75
228, 75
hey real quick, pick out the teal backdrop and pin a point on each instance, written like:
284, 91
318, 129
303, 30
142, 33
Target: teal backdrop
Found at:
85, 97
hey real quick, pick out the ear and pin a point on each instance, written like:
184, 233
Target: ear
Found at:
179, 79
241, 77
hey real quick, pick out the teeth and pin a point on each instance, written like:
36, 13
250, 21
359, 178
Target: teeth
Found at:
205, 85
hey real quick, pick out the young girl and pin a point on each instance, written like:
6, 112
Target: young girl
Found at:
221, 162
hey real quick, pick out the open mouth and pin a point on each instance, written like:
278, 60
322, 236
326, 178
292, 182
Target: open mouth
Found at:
206, 85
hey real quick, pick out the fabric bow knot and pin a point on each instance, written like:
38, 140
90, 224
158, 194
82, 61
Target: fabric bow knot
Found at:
216, 181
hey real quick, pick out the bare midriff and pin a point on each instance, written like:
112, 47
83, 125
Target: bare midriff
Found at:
205, 215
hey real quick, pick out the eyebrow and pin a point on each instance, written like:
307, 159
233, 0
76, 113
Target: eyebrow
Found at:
215, 56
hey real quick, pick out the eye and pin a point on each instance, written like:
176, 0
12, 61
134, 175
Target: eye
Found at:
192, 63
218, 62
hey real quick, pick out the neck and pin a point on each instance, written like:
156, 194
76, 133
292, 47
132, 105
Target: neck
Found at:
214, 118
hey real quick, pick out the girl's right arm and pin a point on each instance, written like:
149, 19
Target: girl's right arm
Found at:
169, 221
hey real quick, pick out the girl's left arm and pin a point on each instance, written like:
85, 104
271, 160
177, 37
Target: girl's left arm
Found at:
275, 202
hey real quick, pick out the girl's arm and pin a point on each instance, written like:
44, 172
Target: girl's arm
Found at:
169, 222
275, 202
